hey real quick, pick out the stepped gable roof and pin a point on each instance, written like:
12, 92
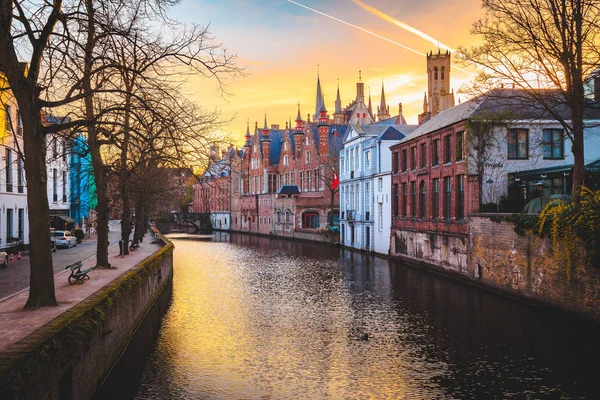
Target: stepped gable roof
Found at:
277, 136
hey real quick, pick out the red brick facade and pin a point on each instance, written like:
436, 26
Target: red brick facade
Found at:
431, 186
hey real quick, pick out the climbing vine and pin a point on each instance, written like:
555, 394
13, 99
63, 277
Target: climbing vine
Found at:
573, 226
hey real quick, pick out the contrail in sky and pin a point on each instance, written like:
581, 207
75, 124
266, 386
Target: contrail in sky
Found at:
373, 33
358, 27
402, 25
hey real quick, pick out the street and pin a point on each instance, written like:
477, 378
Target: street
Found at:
16, 276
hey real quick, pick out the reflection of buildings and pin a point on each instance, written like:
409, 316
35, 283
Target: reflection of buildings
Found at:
14, 220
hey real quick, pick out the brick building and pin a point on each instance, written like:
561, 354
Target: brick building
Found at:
466, 156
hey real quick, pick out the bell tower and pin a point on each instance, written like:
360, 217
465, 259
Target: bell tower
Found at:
440, 96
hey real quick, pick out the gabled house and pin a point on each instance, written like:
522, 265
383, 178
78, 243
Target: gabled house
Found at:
365, 185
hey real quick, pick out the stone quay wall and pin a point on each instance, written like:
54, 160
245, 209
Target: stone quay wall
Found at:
491, 255
71, 356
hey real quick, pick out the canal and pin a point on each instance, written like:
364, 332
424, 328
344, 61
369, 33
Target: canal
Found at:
257, 318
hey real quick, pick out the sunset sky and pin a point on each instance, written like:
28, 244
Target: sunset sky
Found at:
281, 44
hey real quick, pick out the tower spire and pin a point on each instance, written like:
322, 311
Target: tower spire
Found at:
320, 102
266, 127
338, 100
383, 111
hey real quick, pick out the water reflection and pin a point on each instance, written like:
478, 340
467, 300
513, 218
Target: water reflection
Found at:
262, 318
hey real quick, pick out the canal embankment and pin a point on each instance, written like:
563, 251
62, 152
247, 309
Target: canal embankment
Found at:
68, 351
492, 255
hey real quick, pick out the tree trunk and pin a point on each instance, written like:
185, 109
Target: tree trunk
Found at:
124, 175
94, 146
578, 154
41, 279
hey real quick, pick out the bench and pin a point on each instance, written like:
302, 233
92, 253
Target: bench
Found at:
78, 275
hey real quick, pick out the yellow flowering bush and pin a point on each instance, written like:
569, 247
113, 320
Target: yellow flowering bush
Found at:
572, 226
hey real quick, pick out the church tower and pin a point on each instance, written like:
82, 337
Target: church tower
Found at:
383, 111
440, 96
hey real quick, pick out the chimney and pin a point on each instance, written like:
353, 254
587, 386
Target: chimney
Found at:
400, 117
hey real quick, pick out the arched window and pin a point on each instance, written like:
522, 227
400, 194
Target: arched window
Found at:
443, 72
310, 220
278, 217
435, 73
288, 217
422, 200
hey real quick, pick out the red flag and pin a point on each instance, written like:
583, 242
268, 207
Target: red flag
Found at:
336, 181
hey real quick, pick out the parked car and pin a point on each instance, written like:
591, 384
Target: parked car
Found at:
63, 239
3, 259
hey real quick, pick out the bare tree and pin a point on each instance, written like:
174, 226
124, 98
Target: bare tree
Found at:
537, 45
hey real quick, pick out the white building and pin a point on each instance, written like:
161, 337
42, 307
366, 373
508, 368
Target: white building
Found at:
58, 154
14, 221
365, 185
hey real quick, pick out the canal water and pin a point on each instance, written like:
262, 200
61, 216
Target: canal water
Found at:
258, 318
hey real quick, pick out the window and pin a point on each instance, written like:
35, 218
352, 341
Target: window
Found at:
308, 157
64, 186
380, 211
435, 198
64, 150
404, 163
9, 173
285, 147
413, 199
278, 217
367, 201
395, 156
380, 183
9, 223
404, 200
460, 196
288, 217
307, 140
422, 200
364, 115
447, 149
7, 124
301, 181
310, 220
434, 152
308, 181
413, 157
19, 124
367, 159
553, 144
20, 175
286, 160
395, 202
435, 73
442, 71
459, 145
447, 197
518, 144
423, 155
55, 148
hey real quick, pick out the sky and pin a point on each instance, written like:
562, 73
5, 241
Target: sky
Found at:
283, 46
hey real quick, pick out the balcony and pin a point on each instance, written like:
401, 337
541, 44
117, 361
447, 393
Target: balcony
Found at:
351, 215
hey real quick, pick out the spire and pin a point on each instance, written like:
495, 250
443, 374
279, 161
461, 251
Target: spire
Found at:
265, 131
425, 104
320, 102
266, 127
338, 100
360, 89
382, 105
299, 116
247, 133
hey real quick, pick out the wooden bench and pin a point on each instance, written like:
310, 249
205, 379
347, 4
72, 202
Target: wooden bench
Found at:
78, 275
133, 246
